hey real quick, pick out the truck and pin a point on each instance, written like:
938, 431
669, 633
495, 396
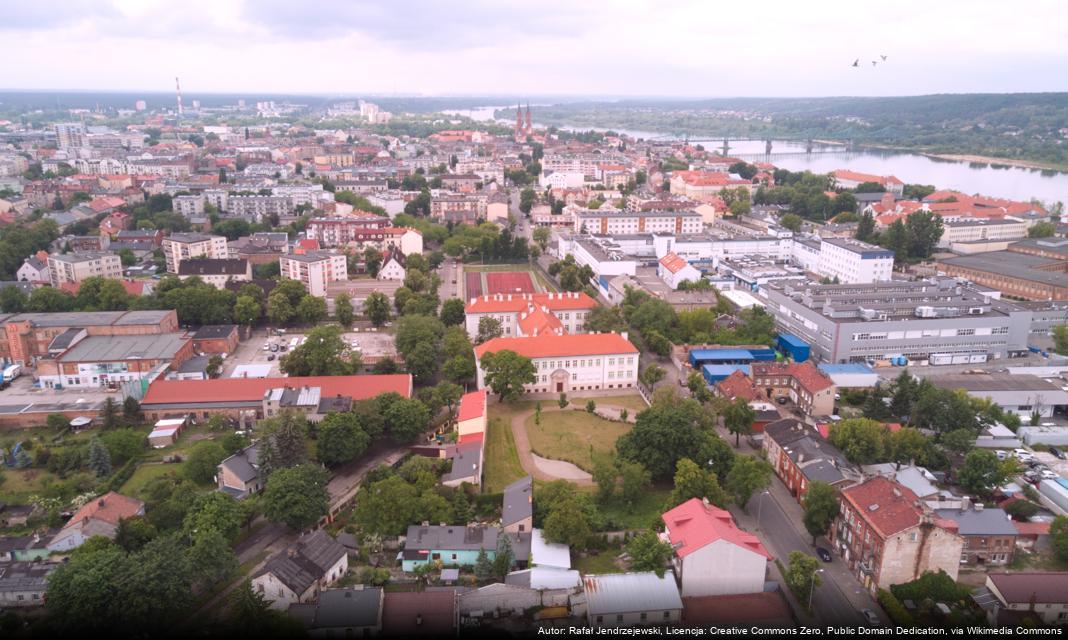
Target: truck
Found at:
12, 371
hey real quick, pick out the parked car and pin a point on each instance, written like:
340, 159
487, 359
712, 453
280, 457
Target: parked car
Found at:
1001, 454
270, 357
1048, 475
823, 554
1023, 454
870, 616
274, 348
1057, 452
266, 346
781, 399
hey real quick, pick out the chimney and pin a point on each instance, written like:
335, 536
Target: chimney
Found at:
965, 503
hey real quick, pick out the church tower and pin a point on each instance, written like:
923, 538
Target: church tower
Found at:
530, 127
519, 122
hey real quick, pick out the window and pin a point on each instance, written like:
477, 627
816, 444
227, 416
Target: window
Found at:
667, 614
619, 616
644, 616
600, 619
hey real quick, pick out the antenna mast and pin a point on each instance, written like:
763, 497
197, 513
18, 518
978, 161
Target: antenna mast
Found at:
178, 91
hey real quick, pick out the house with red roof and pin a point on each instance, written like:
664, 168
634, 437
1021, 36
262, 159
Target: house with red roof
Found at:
98, 517
471, 419
566, 363
712, 555
115, 222
674, 270
846, 179
704, 185
805, 385
887, 536
528, 314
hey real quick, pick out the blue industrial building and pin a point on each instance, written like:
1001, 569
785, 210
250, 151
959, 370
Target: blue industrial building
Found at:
795, 347
713, 373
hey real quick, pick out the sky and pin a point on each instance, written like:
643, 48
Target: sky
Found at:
666, 48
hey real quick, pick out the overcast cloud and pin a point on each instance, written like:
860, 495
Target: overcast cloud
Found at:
619, 47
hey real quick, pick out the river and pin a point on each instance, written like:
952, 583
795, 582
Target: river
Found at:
1000, 181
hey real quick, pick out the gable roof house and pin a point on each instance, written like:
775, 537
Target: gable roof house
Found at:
299, 572
239, 475
517, 512
712, 555
99, 517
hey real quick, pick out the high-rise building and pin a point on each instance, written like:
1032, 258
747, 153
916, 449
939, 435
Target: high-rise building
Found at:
140, 105
71, 135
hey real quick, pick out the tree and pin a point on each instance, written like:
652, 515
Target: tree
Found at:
452, 312
691, 481
649, 553
1022, 510
821, 506
214, 512
862, 440
604, 472
505, 557
1060, 339
802, 576
982, 472
123, 445
377, 308
311, 309
251, 616
408, 419
635, 480
1041, 230
505, 372
747, 475
280, 310
567, 523
791, 221
247, 311
386, 507
214, 367
99, 458
959, 441
738, 417
483, 566
896, 239
296, 496
131, 410
924, 229
321, 354
340, 438
212, 559
283, 444
667, 432
1058, 536
109, 414
541, 237
865, 227
909, 445
653, 374
134, 533
488, 328
203, 461
343, 309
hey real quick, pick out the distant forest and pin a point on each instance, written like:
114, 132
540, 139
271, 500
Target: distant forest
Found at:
1024, 126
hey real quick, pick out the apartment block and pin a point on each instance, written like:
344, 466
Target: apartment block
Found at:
315, 270
75, 267
182, 246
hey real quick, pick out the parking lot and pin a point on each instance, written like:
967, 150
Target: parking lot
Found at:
22, 390
374, 345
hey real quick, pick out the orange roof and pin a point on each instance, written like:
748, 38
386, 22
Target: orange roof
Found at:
539, 321
516, 302
673, 262
252, 389
737, 385
109, 508
550, 346
695, 524
856, 176
472, 405
471, 437
707, 178
132, 287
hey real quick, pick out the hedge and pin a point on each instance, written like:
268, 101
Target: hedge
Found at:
893, 607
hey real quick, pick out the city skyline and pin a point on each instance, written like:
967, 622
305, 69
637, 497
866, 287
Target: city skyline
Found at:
684, 50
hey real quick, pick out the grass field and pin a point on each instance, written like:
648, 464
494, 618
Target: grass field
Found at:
573, 436
502, 465
633, 403
604, 562
145, 474
640, 515
20, 484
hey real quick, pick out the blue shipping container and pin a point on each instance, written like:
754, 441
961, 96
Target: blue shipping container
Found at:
713, 373
699, 357
795, 347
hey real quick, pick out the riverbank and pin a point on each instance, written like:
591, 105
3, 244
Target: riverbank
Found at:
1023, 164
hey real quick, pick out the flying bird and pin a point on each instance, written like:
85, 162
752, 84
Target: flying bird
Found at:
856, 63
874, 62
883, 57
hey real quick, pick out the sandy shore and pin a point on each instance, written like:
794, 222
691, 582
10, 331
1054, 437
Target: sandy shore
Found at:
1025, 164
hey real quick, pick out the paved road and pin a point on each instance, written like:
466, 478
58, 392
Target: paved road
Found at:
449, 271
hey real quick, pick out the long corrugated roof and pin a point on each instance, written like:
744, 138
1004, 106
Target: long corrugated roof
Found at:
252, 389
631, 592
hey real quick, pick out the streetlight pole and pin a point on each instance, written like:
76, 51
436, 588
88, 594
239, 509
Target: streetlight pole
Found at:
812, 588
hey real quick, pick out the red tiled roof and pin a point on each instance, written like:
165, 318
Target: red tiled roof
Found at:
807, 375
694, 524
1032, 528
132, 287
109, 508
252, 389
707, 178
472, 405
673, 262
549, 346
515, 302
856, 176
471, 437
737, 385
886, 505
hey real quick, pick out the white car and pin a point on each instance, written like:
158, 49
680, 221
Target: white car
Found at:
266, 346
1049, 475
1023, 454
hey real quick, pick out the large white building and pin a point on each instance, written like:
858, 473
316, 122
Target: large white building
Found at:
70, 135
182, 246
674, 270
567, 363
75, 267
315, 270
525, 314
978, 230
626, 222
850, 261
713, 557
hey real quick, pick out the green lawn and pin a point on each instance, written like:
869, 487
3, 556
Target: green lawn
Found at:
641, 515
604, 562
20, 484
502, 462
573, 436
145, 474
